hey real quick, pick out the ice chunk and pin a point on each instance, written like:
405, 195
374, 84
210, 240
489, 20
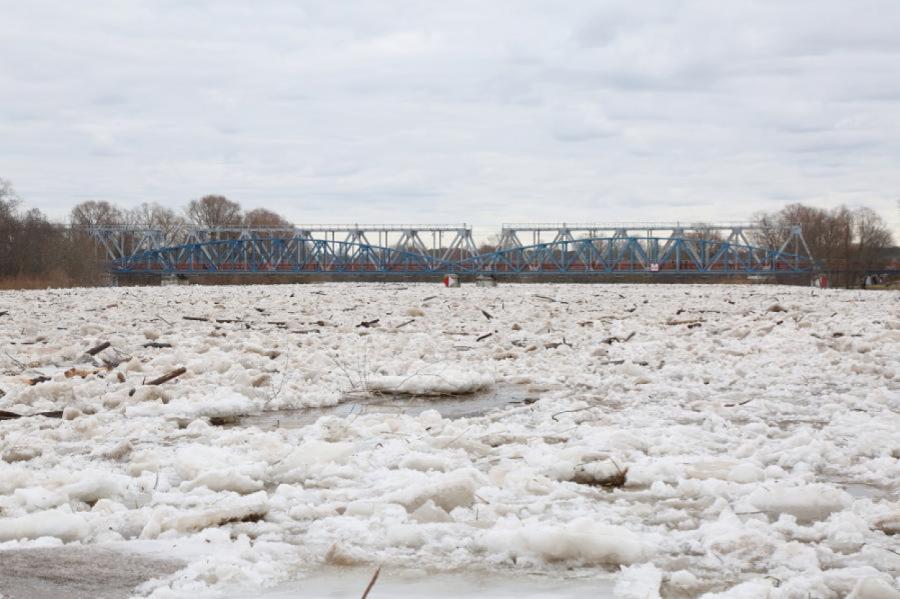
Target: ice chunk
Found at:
445, 382
888, 523
581, 540
251, 507
51, 523
873, 588
808, 502
429, 513
638, 582
448, 491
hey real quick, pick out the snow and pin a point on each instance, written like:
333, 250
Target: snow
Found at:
757, 454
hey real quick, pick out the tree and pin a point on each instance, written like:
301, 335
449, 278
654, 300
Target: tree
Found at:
9, 200
214, 211
93, 213
261, 217
154, 216
9, 203
872, 238
34, 252
846, 242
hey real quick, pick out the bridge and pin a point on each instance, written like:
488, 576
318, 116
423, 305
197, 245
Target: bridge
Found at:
531, 250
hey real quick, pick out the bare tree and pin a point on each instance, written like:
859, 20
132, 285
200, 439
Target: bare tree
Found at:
34, 252
154, 216
93, 213
9, 203
214, 211
873, 238
261, 217
846, 242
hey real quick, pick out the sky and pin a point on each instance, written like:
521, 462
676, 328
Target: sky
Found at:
480, 112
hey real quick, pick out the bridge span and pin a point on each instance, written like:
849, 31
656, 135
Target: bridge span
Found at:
653, 249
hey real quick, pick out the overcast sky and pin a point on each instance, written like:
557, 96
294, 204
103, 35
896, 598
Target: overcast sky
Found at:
454, 111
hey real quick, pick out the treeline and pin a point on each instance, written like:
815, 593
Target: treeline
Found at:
846, 243
208, 211
37, 253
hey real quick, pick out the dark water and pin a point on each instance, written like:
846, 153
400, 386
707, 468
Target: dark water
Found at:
449, 406
343, 583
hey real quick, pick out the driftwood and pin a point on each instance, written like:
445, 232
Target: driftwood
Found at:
198, 318
485, 336
157, 344
371, 583
98, 348
554, 345
168, 376
83, 373
611, 340
367, 323
4, 415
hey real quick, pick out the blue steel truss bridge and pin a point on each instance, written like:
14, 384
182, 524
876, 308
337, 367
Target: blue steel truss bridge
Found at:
522, 250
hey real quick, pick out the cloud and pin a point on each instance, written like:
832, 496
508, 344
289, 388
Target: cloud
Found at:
460, 111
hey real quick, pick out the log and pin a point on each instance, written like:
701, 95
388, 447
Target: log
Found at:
4, 415
168, 376
98, 348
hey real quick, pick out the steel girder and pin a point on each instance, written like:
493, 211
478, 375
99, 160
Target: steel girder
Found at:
616, 254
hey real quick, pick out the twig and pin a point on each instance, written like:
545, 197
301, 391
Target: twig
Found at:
18, 363
198, 318
400, 326
486, 315
741, 403
371, 583
554, 416
484, 336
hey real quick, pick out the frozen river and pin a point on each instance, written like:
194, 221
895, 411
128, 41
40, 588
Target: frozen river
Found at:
524, 440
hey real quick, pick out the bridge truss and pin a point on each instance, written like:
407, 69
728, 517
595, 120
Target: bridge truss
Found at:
564, 249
